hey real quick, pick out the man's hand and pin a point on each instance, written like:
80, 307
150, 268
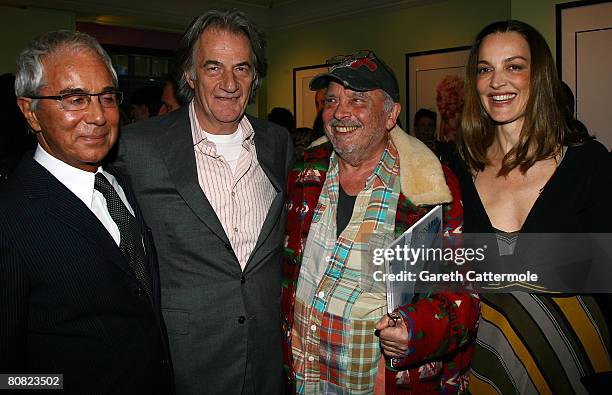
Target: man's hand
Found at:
393, 337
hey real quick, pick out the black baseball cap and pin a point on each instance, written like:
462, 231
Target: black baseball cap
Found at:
362, 71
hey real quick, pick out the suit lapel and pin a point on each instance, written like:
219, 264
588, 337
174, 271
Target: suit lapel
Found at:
268, 158
267, 153
68, 209
176, 146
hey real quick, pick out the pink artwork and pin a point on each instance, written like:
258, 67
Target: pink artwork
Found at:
449, 99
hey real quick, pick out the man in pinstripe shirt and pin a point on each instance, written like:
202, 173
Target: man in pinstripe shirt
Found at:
211, 182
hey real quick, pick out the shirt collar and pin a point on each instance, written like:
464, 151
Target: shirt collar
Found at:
198, 133
388, 165
79, 182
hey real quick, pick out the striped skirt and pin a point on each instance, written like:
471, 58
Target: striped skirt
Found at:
538, 344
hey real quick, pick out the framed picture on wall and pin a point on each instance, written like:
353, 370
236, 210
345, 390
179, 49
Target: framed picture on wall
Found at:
584, 60
434, 80
304, 108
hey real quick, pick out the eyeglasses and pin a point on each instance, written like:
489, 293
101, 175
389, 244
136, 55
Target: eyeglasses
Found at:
342, 60
80, 101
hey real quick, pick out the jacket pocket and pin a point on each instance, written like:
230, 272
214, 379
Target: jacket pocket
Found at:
177, 321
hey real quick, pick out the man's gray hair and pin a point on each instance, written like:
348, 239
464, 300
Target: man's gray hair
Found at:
232, 21
30, 77
388, 104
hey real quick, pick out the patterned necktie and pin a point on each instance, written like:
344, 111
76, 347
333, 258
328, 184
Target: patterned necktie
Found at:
131, 240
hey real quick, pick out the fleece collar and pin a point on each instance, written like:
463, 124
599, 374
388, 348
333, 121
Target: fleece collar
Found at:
421, 175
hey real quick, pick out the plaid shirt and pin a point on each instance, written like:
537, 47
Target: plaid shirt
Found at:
329, 324
333, 340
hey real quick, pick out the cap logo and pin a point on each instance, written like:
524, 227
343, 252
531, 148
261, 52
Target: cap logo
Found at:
364, 62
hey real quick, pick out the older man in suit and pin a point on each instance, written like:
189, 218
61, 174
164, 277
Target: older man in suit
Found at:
210, 181
78, 274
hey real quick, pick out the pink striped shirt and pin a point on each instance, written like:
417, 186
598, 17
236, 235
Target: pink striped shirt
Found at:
240, 199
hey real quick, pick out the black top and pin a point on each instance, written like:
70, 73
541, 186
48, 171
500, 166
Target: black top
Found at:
575, 199
346, 203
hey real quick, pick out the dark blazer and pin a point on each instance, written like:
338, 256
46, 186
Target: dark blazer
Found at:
69, 301
223, 324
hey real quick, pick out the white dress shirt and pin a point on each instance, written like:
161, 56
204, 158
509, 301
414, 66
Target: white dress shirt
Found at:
81, 183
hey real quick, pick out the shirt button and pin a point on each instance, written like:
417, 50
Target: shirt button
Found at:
327, 258
311, 358
321, 294
313, 327
241, 319
235, 229
233, 194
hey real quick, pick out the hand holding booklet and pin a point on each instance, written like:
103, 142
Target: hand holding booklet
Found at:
422, 235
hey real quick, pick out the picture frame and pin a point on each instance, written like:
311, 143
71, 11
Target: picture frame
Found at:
424, 72
304, 109
584, 61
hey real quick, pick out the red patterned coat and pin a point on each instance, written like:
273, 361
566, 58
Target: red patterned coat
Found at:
442, 326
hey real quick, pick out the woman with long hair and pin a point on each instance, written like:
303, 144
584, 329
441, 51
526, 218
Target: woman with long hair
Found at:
527, 170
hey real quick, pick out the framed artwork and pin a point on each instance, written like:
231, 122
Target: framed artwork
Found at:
304, 108
434, 80
584, 61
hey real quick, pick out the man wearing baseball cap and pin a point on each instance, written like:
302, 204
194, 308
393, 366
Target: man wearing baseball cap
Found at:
367, 176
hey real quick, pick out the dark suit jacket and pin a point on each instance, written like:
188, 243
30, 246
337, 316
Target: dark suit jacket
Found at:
69, 301
223, 324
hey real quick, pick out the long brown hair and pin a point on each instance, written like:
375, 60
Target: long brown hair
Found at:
545, 128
